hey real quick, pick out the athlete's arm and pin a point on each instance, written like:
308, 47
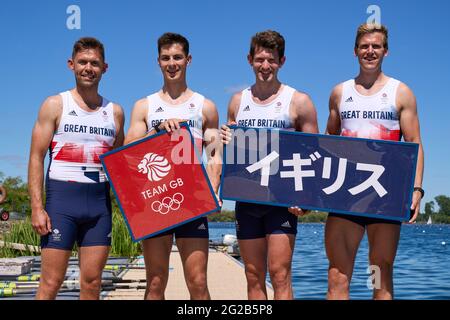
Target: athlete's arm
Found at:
334, 119
303, 113
212, 143
138, 125
233, 107
409, 126
304, 117
119, 119
41, 138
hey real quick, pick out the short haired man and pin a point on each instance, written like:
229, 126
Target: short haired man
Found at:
266, 234
165, 109
371, 90
77, 126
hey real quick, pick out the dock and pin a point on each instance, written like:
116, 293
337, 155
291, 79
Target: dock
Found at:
226, 279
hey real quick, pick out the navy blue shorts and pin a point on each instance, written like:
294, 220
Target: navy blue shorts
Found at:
78, 212
256, 221
197, 228
362, 221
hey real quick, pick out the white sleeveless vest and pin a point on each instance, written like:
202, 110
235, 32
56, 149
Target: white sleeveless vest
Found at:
191, 110
79, 140
372, 117
272, 115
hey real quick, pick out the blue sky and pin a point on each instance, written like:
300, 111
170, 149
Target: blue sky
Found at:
319, 49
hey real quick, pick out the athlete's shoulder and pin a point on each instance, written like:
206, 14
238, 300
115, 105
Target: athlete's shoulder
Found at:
209, 104
53, 101
140, 110
236, 98
405, 96
339, 88
117, 109
209, 108
141, 104
300, 98
403, 88
52, 105
336, 94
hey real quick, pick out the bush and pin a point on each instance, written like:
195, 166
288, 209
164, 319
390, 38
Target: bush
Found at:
22, 232
122, 245
314, 217
223, 216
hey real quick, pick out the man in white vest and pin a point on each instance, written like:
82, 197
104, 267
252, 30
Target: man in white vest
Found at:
77, 126
165, 109
266, 234
371, 91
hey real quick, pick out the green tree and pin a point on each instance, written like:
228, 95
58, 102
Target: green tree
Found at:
429, 207
444, 204
17, 198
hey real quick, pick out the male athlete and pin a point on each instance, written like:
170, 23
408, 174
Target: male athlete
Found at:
77, 126
165, 109
374, 92
266, 234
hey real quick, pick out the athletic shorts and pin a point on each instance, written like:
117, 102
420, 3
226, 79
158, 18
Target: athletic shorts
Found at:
197, 228
78, 212
256, 221
362, 221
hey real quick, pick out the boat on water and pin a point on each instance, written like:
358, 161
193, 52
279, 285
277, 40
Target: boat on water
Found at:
429, 220
228, 244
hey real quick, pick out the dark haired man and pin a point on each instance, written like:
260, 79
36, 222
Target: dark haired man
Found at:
165, 109
77, 126
266, 234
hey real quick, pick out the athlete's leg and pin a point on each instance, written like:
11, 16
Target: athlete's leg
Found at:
194, 256
254, 256
383, 241
92, 260
53, 270
156, 255
342, 239
280, 251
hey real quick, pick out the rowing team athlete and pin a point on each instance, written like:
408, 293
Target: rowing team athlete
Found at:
79, 125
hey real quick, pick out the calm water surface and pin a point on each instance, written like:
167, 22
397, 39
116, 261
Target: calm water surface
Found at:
422, 265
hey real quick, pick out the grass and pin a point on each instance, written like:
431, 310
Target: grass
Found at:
122, 245
22, 232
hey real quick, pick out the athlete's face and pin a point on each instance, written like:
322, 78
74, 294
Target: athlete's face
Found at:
266, 63
371, 51
88, 67
173, 62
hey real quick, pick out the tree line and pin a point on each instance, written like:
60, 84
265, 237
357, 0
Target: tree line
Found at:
18, 200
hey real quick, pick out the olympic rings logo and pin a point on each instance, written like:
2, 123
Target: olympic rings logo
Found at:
168, 203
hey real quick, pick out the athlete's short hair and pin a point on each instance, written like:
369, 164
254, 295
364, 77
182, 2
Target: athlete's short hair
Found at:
88, 43
170, 38
268, 39
367, 28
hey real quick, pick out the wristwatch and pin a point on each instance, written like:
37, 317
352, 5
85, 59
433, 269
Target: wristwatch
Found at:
422, 192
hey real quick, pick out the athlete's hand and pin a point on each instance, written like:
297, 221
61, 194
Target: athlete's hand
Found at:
219, 200
225, 132
171, 125
296, 211
41, 222
415, 206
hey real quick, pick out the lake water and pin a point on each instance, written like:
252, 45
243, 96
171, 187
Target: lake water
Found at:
421, 270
